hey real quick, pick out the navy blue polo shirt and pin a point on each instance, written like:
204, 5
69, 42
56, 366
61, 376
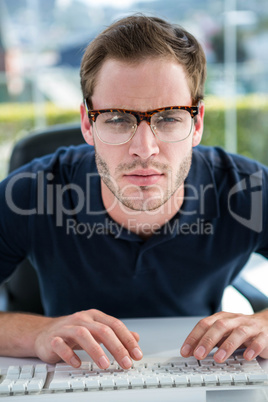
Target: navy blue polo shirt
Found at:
52, 212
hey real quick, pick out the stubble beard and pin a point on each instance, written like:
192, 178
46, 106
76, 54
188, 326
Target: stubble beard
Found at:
142, 203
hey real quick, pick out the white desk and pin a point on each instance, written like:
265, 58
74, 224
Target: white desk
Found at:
160, 339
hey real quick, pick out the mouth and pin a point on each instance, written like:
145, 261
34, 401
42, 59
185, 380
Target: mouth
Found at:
143, 177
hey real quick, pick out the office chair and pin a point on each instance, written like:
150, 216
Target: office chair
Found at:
257, 299
21, 291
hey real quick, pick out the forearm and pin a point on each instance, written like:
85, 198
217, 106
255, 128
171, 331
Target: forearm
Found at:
55, 339
18, 333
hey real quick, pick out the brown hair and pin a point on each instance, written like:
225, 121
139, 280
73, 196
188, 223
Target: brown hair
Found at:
137, 37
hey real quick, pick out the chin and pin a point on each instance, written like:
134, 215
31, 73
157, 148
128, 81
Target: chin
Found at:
152, 203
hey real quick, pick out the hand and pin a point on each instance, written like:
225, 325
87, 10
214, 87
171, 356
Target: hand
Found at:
229, 332
86, 330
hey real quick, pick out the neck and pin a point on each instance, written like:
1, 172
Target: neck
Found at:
143, 223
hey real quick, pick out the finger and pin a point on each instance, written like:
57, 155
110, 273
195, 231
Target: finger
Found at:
136, 335
257, 347
128, 339
123, 335
220, 329
116, 346
65, 352
236, 338
81, 336
196, 334
221, 342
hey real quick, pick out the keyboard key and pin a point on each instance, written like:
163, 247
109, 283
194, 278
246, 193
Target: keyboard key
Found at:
85, 365
206, 362
27, 371
250, 367
136, 382
40, 376
6, 386
211, 379
121, 382
178, 371
61, 375
58, 385
175, 365
63, 367
165, 381
203, 369
257, 377
19, 386
220, 365
236, 365
107, 383
240, 378
35, 385
192, 364
181, 380
78, 383
196, 379
92, 383
231, 361
225, 379
40, 368
13, 372
151, 381
189, 360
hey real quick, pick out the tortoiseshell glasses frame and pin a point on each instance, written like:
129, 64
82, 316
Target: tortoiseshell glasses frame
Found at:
142, 116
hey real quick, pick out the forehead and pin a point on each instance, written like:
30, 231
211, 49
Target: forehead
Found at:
145, 85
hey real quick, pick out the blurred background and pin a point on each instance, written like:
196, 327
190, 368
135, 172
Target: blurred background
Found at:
42, 43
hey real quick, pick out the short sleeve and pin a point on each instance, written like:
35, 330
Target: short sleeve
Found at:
17, 205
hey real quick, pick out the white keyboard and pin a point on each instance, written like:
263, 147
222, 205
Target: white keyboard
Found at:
177, 372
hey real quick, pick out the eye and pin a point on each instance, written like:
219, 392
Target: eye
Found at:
167, 119
170, 117
117, 118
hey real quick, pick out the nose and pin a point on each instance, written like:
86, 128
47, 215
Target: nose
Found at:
144, 143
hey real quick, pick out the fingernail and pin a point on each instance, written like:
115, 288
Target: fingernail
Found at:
75, 362
126, 362
137, 353
200, 352
220, 354
186, 349
104, 362
249, 354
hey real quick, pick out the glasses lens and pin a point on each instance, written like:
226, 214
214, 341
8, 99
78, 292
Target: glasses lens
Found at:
172, 125
115, 127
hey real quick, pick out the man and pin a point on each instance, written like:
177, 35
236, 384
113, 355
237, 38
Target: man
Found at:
138, 223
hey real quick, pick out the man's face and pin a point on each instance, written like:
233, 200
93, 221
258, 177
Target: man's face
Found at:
144, 172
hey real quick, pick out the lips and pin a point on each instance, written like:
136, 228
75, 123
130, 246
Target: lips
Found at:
143, 177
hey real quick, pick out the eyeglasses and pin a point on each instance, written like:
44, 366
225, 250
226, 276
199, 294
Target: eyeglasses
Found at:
168, 124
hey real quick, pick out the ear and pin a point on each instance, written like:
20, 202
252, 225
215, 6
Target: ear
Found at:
86, 127
199, 125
